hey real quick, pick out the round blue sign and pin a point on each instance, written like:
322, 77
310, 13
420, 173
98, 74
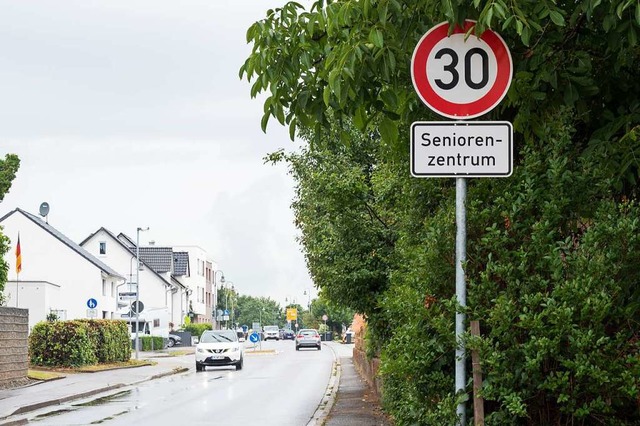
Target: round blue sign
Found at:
254, 337
92, 303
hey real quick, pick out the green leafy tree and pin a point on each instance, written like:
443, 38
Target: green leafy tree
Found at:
251, 309
8, 169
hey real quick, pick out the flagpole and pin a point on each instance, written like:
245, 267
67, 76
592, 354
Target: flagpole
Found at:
18, 267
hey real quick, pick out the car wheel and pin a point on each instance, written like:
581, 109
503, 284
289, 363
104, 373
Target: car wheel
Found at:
199, 367
297, 348
171, 343
319, 347
239, 364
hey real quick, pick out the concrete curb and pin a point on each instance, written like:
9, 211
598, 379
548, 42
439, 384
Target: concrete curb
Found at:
329, 398
58, 401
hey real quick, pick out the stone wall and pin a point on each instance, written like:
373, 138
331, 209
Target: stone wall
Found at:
367, 368
14, 356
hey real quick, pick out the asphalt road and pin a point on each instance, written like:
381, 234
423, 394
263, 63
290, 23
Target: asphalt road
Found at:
283, 388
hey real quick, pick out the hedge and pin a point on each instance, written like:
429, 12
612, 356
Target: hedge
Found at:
79, 342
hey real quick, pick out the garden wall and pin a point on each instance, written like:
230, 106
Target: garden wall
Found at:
14, 333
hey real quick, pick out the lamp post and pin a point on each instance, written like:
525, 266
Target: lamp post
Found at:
138, 285
215, 296
226, 302
308, 293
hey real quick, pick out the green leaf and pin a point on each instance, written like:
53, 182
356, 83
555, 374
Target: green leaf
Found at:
360, 118
264, 121
389, 98
388, 130
326, 95
638, 13
526, 33
292, 128
557, 18
375, 37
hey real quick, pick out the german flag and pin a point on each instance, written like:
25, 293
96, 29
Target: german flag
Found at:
18, 256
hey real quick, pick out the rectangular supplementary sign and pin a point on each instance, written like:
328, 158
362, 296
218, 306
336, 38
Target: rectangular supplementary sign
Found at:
461, 149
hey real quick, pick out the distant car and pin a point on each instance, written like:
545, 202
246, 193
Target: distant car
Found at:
288, 334
308, 337
271, 332
240, 334
174, 340
217, 348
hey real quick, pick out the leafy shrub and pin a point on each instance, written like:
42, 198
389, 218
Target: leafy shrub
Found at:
61, 343
197, 329
78, 342
151, 343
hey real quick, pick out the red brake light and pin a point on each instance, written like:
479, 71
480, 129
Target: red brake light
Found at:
300, 336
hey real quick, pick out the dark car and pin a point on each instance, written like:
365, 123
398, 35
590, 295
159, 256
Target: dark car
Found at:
288, 334
174, 340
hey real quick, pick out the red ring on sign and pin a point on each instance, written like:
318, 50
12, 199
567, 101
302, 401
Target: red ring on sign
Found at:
451, 109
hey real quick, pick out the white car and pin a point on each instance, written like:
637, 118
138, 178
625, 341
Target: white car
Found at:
271, 332
218, 348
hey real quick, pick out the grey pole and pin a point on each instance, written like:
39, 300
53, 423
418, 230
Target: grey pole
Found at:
138, 286
461, 291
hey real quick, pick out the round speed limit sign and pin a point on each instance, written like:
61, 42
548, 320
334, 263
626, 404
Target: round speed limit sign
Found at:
460, 78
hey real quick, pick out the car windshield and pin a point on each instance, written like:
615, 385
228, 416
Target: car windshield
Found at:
308, 332
271, 328
218, 336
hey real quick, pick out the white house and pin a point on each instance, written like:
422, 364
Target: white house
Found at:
200, 281
57, 274
158, 268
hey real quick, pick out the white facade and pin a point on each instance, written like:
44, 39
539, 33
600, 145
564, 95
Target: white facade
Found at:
156, 290
57, 274
199, 282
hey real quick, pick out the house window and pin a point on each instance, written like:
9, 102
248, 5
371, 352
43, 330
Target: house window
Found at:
105, 315
103, 247
113, 289
104, 287
156, 323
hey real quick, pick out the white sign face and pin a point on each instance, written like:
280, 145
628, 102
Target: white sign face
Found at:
92, 313
127, 295
460, 78
461, 149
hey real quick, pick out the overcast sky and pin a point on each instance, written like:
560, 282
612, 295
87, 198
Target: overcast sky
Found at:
130, 113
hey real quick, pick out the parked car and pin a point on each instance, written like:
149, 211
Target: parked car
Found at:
174, 340
217, 348
271, 332
308, 337
288, 334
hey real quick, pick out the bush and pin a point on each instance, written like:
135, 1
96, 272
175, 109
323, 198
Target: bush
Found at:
151, 343
78, 342
197, 329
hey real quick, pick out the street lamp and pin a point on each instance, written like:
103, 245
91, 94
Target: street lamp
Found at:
308, 293
215, 296
226, 302
138, 286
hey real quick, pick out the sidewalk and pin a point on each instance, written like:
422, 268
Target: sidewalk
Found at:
348, 400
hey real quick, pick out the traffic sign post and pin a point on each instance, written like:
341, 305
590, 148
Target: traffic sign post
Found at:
461, 77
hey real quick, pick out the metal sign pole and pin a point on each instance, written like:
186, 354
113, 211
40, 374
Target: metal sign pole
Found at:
461, 291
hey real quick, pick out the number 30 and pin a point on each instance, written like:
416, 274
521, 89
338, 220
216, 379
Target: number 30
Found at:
455, 76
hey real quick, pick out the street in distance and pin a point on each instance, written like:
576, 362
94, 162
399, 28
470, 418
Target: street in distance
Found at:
461, 149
